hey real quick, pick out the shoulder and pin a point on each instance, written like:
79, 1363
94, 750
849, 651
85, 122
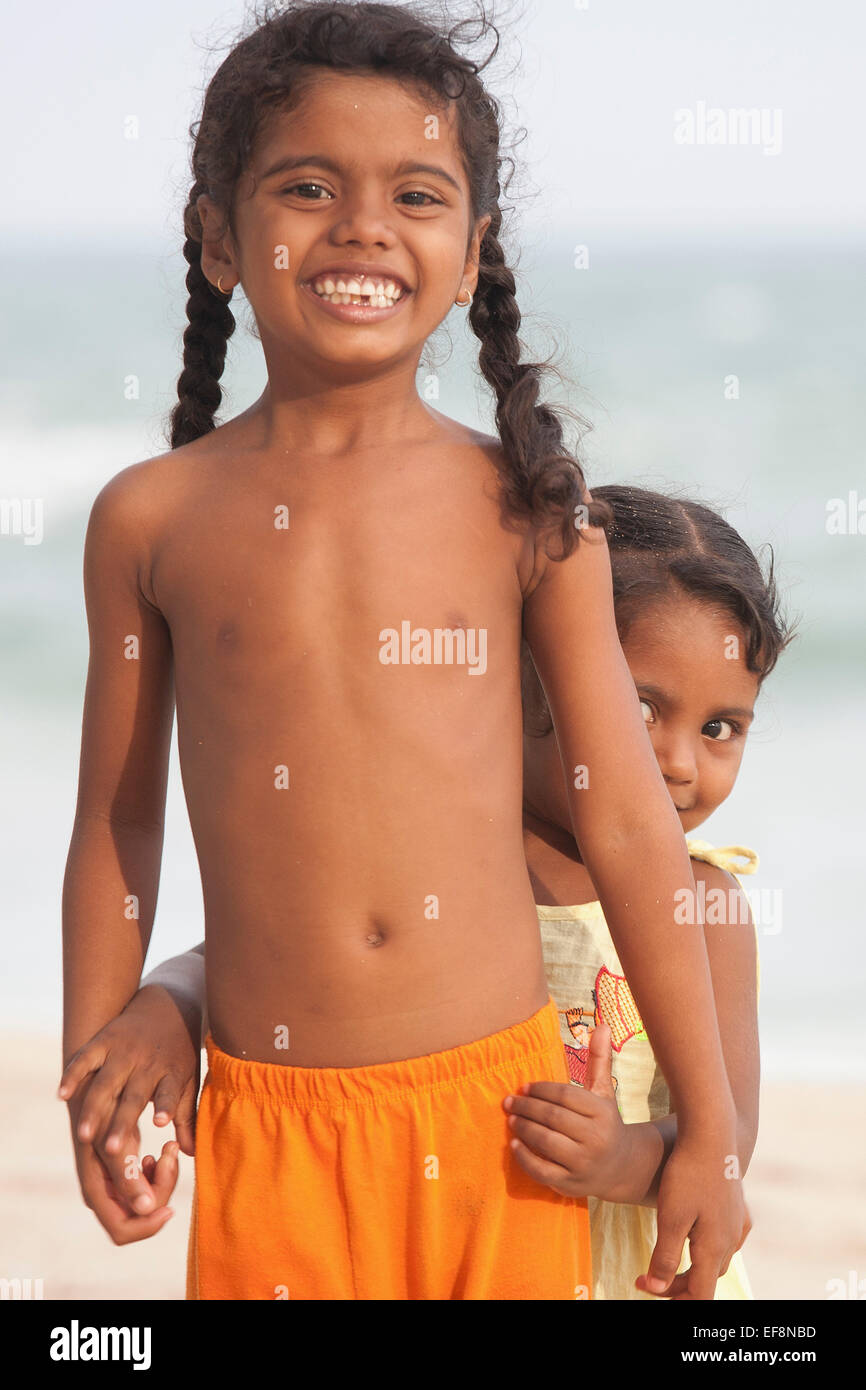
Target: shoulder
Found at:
136, 497
725, 890
131, 515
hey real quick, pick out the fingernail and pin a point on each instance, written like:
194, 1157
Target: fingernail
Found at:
61, 1092
655, 1285
143, 1203
508, 1102
160, 1117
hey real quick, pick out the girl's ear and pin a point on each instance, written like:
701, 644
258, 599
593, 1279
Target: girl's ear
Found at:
474, 252
216, 241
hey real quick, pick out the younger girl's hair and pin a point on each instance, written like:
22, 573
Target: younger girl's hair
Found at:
668, 546
267, 72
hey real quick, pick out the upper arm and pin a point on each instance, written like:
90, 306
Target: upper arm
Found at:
732, 952
570, 627
129, 697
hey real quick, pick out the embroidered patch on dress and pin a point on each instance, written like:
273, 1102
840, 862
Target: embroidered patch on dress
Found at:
616, 1007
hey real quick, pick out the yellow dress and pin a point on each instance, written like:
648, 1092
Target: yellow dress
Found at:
586, 979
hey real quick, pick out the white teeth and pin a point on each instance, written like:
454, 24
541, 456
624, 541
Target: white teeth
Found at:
376, 294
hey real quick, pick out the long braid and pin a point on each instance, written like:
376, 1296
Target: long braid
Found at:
543, 480
210, 325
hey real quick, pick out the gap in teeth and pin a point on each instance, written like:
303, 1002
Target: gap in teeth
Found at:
339, 293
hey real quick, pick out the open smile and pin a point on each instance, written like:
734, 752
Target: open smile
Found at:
357, 298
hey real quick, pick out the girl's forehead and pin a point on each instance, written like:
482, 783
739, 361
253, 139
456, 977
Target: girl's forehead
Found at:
369, 118
321, 92
684, 640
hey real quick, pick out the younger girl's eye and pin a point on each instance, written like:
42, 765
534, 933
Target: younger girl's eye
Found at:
719, 730
646, 710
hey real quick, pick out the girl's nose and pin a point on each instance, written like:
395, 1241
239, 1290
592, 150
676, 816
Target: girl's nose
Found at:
365, 220
676, 759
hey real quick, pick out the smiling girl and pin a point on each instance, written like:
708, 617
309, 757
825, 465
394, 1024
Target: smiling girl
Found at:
363, 1029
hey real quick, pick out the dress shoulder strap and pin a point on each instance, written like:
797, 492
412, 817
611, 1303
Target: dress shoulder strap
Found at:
724, 856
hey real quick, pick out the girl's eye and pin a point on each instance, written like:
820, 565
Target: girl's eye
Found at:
416, 193
295, 186
646, 710
719, 730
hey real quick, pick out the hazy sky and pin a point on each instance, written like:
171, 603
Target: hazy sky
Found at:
598, 85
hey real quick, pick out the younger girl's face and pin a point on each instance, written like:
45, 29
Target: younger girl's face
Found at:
363, 170
687, 658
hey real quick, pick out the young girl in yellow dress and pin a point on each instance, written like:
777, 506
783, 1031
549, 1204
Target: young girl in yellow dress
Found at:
701, 629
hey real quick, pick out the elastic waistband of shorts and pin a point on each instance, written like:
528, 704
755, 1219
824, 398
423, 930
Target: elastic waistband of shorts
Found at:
334, 1087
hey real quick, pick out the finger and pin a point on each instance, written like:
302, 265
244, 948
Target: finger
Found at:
599, 1075
544, 1142
165, 1100
163, 1178
551, 1174
100, 1196
704, 1271
185, 1133
676, 1288
184, 1120
126, 1175
128, 1110
100, 1100
81, 1064
666, 1256
559, 1093
554, 1117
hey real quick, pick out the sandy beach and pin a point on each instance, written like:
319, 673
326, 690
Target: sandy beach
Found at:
804, 1190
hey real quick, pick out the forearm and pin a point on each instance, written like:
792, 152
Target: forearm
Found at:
183, 979
651, 1144
109, 900
666, 964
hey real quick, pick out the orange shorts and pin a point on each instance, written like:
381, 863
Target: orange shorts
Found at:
392, 1181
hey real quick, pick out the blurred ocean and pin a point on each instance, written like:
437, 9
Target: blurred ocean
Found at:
653, 332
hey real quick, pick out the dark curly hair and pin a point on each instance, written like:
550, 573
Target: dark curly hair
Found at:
269, 70
662, 545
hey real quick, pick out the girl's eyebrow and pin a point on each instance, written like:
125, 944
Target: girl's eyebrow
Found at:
289, 162
738, 711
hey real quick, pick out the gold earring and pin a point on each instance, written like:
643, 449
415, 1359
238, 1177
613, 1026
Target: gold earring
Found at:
465, 305
220, 286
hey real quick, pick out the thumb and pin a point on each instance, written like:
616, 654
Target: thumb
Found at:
598, 1077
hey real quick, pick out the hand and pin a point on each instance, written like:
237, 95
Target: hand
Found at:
107, 1084
572, 1138
110, 1199
697, 1200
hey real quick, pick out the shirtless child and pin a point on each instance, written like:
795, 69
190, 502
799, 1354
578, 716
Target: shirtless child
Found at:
375, 983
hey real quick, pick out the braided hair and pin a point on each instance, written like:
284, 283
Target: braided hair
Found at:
269, 69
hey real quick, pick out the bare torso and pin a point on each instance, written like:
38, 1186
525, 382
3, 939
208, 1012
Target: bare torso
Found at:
358, 824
